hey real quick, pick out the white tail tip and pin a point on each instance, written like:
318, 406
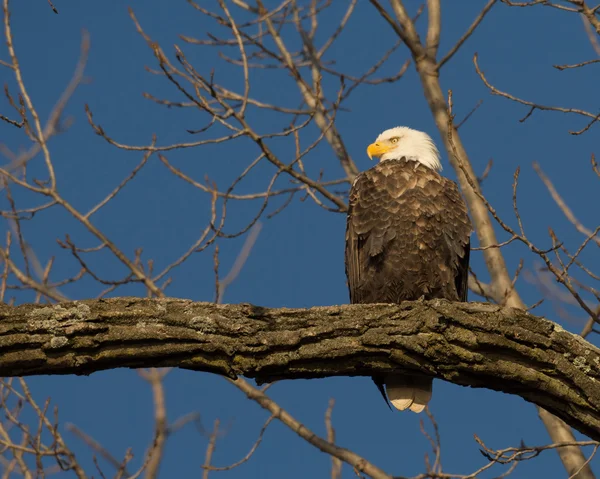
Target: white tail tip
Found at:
409, 392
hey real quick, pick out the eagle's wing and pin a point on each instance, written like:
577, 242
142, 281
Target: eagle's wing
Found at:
353, 248
461, 236
367, 229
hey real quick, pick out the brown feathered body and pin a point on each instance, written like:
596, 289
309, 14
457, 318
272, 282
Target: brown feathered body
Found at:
407, 237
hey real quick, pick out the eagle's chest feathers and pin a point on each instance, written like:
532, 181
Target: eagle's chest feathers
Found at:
409, 183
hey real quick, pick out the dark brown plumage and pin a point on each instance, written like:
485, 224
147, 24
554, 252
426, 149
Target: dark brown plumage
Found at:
407, 237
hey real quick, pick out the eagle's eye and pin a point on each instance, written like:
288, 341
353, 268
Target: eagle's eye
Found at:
394, 140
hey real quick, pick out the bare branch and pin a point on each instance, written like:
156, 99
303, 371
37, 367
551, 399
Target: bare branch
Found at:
359, 463
535, 106
563, 206
467, 34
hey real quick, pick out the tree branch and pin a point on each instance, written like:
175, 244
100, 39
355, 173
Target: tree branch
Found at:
472, 344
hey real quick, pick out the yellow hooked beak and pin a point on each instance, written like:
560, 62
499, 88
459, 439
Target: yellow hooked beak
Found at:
377, 149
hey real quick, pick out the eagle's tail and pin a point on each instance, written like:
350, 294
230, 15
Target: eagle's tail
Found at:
409, 392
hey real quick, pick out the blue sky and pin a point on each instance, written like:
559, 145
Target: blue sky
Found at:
297, 260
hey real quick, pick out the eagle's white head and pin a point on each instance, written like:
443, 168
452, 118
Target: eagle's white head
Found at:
402, 141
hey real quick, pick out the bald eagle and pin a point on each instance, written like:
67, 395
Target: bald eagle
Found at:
407, 237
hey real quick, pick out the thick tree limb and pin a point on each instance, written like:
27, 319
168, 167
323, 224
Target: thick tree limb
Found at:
474, 344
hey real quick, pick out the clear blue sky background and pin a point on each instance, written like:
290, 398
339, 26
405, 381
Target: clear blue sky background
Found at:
298, 258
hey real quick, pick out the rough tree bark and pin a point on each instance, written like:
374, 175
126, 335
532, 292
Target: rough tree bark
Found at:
472, 344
